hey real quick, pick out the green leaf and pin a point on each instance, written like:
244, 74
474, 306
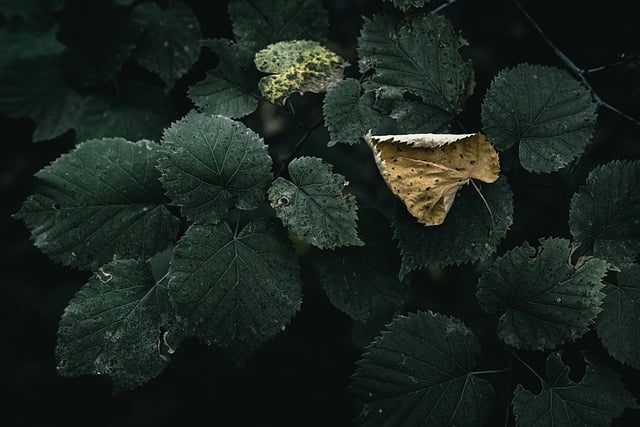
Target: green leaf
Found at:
101, 201
313, 206
230, 89
542, 109
619, 322
22, 41
418, 373
257, 23
140, 111
35, 88
468, 233
213, 163
235, 289
113, 326
170, 41
595, 401
406, 4
418, 68
349, 114
363, 281
25, 8
543, 300
605, 213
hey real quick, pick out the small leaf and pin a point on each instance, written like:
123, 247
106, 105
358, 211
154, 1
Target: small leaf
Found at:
170, 41
595, 401
297, 66
406, 4
468, 233
235, 289
257, 23
418, 373
100, 201
605, 213
544, 301
348, 113
213, 163
22, 41
231, 88
619, 322
312, 205
113, 326
542, 109
418, 68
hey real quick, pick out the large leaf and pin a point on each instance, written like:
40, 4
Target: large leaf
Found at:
170, 41
35, 88
230, 89
213, 163
469, 233
235, 289
605, 213
113, 326
544, 301
595, 401
21, 42
619, 322
419, 372
100, 201
257, 23
348, 113
140, 111
313, 206
542, 109
418, 67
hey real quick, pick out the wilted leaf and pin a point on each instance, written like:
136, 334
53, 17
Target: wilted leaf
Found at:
235, 289
231, 88
542, 109
100, 201
605, 213
544, 301
313, 206
213, 163
595, 401
419, 372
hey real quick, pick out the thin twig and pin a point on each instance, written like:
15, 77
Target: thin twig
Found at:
578, 72
444, 6
297, 147
627, 59
529, 368
509, 384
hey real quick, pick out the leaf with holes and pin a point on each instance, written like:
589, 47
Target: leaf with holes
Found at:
595, 401
543, 301
313, 206
230, 89
102, 200
212, 164
545, 111
113, 326
605, 213
235, 289
419, 372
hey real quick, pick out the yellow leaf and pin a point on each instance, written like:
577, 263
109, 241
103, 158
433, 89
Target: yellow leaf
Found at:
426, 170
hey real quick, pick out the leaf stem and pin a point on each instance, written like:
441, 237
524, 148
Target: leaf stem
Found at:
507, 412
529, 368
297, 147
444, 6
494, 371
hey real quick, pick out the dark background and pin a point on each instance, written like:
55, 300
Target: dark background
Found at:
301, 376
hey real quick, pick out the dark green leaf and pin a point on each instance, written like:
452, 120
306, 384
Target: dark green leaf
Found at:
605, 213
419, 372
113, 326
619, 322
21, 42
102, 200
313, 206
595, 401
25, 8
35, 88
542, 109
544, 301
257, 23
213, 163
140, 111
468, 234
231, 88
406, 4
170, 41
418, 68
235, 289
349, 114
